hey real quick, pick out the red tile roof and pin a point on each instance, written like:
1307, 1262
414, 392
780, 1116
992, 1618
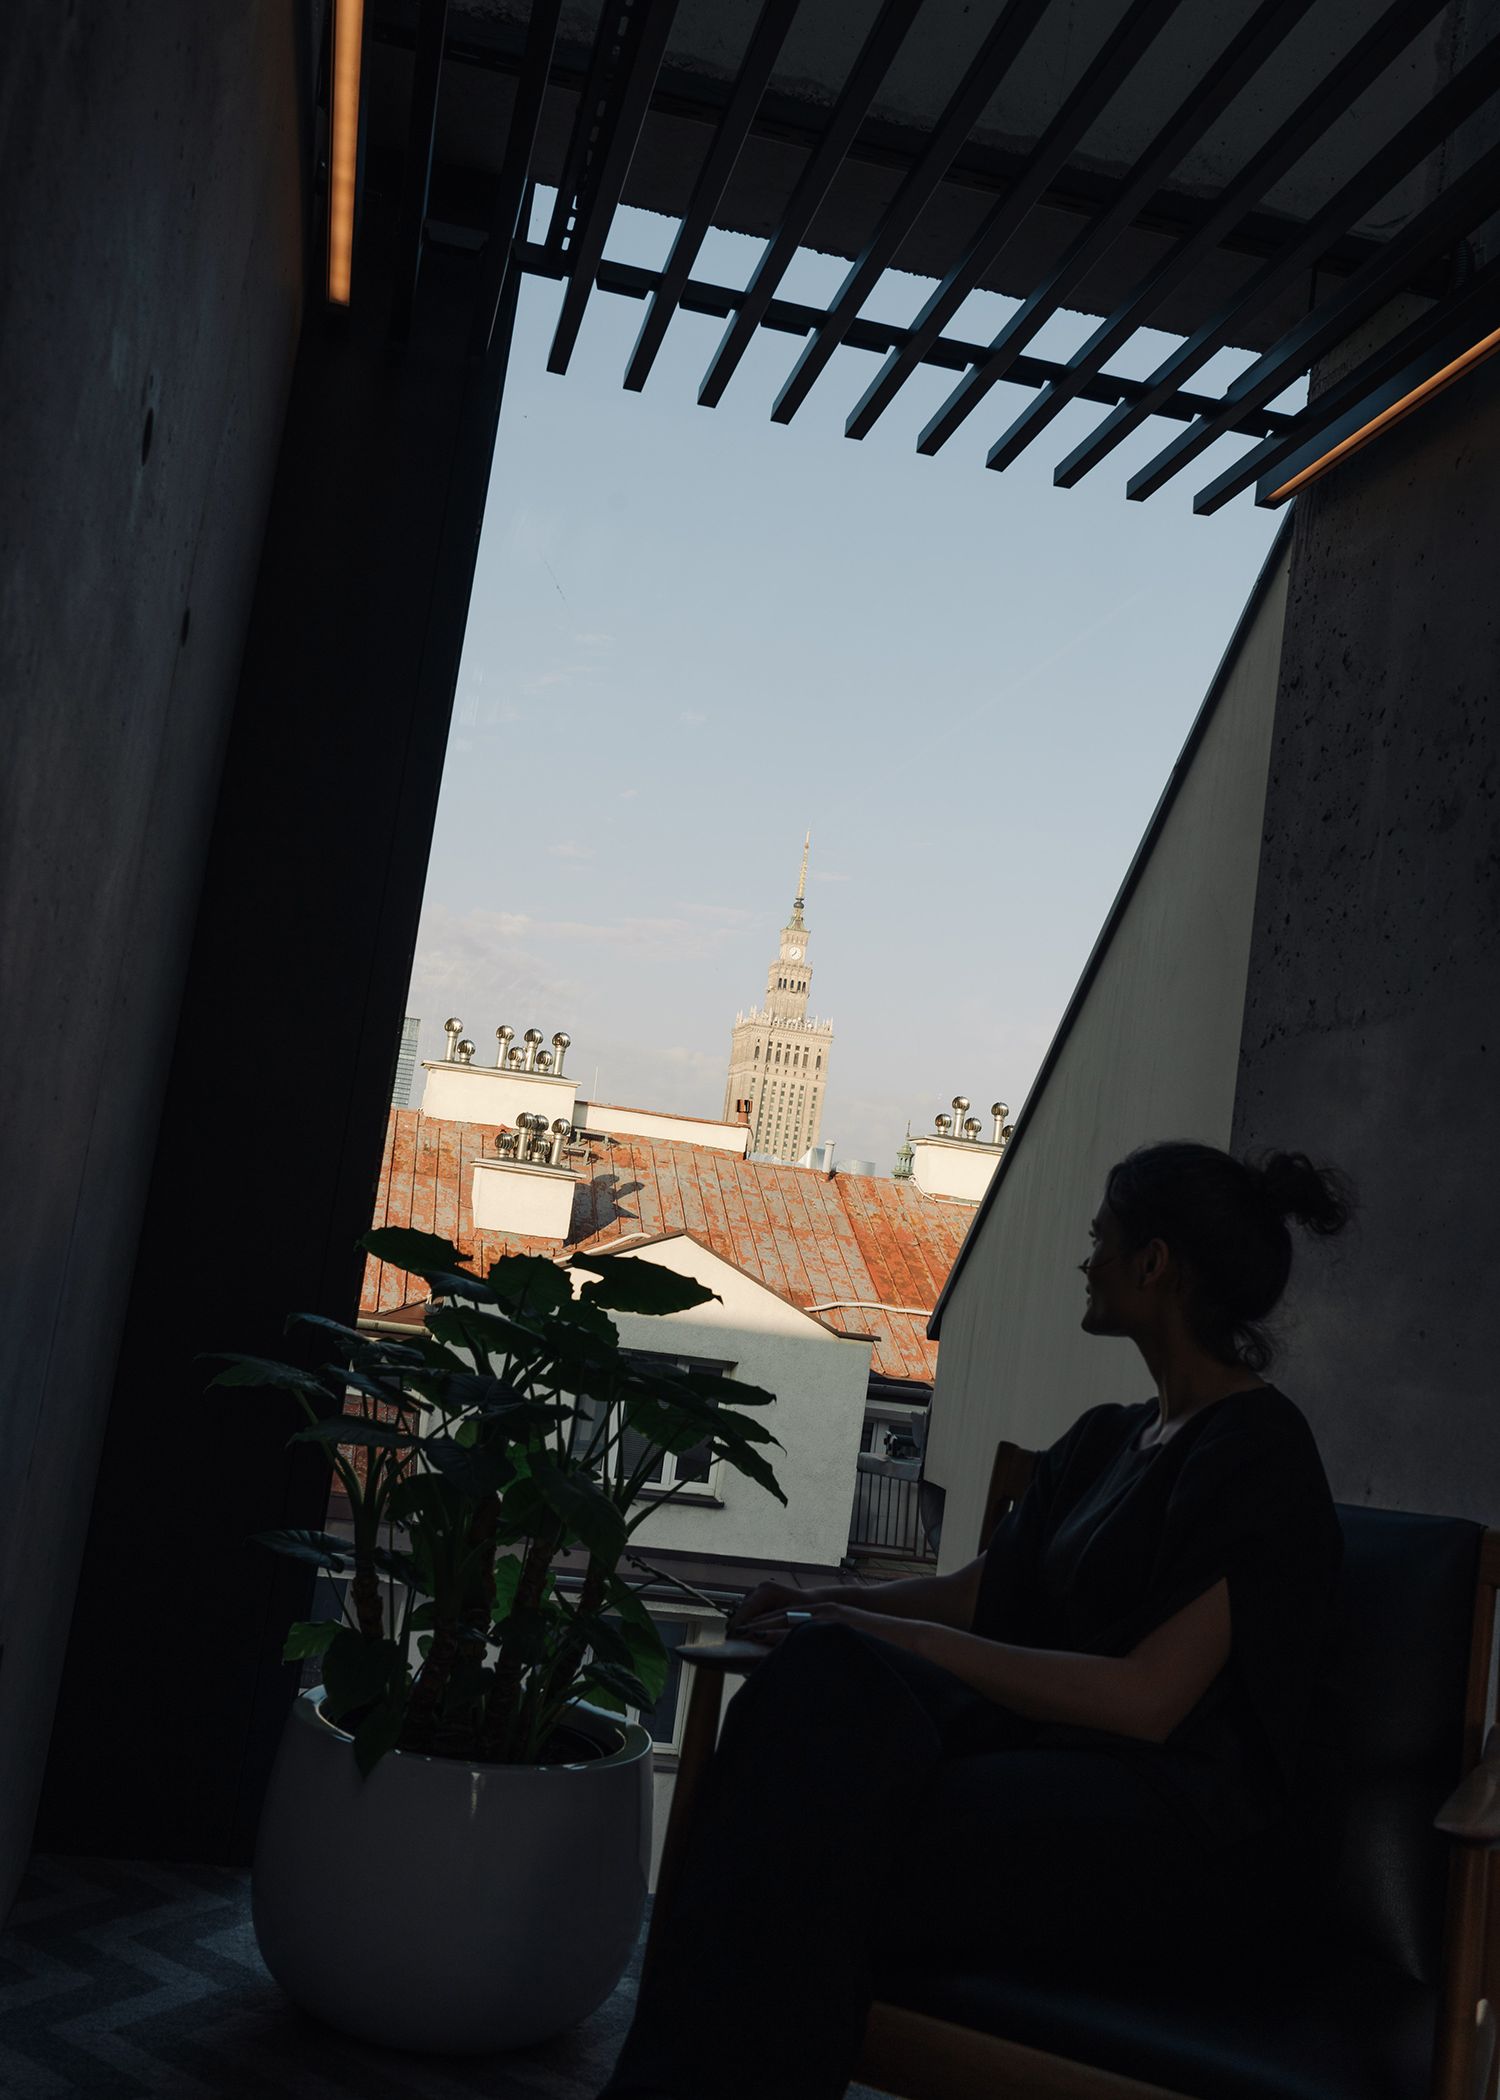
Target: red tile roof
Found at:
808, 1238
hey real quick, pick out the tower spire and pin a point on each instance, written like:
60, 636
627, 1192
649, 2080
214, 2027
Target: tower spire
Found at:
802, 878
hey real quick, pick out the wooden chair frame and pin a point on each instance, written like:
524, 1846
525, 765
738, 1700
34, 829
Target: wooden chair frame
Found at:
920, 2058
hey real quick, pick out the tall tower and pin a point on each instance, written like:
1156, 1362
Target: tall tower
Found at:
778, 1057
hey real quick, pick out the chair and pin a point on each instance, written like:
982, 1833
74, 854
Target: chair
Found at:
1402, 2007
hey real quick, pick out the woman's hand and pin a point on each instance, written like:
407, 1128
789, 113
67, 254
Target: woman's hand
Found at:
766, 1601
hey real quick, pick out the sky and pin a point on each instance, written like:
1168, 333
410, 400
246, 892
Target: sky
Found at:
696, 634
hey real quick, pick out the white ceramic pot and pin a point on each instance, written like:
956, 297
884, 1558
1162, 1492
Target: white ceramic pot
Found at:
445, 1906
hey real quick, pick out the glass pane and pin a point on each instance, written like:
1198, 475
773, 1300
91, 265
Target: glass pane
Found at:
661, 1718
694, 1464
635, 1450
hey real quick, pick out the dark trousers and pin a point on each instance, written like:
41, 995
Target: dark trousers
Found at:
864, 1816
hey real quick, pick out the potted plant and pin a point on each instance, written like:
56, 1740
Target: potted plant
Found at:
454, 1846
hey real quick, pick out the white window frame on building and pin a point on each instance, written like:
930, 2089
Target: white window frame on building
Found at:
670, 1481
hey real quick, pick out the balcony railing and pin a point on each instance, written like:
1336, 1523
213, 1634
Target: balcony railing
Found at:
887, 1518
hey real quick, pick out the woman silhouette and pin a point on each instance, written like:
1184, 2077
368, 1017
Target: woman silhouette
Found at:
1092, 1742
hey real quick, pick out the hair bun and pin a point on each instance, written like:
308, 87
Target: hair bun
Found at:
1293, 1187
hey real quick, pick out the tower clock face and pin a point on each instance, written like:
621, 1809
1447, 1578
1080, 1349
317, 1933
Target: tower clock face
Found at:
795, 954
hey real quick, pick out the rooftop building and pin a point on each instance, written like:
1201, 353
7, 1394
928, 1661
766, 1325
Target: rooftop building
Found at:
778, 1056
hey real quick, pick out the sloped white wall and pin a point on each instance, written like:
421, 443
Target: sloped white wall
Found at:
1151, 1053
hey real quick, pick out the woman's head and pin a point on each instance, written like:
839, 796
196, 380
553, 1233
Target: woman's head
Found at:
1188, 1225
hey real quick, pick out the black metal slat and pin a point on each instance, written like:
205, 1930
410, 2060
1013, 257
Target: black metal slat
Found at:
1460, 207
948, 353
1264, 33
770, 32
853, 106
585, 121
416, 175
1097, 84
1356, 71
1412, 143
1455, 324
590, 232
992, 62
513, 196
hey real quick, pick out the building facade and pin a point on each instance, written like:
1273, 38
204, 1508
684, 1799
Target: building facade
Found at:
406, 1062
778, 1056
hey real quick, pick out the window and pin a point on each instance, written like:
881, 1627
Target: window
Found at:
673, 1469
665, 1719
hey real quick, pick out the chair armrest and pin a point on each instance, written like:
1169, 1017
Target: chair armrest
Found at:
729, 1657
1472, 1813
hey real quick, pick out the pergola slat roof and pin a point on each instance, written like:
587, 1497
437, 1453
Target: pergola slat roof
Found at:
631, 84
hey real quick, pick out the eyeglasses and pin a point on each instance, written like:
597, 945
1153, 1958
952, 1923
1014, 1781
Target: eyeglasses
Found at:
1096, 1261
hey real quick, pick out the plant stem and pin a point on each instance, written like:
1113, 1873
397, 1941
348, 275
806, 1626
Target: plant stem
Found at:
501, 1708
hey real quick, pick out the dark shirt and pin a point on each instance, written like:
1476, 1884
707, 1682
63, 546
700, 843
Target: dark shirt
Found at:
1110, 1540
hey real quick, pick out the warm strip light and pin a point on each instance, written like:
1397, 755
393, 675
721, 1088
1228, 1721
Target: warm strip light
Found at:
348, 39
1455, 369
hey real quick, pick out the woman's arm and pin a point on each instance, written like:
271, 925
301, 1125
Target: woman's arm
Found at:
941, 1600
1144, 1694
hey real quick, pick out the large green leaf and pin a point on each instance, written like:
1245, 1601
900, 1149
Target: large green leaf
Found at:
424, 1499
399, 1567
643, 1652
530, 1283
523, 1511
355, 1429
458, 1283
610, 1677
378, 1346
507, 1581
713, 1386
356, 1672
318, 1547
752, 1465
262, 1372
627, 1285
385, 1392
525, 1636
668, 1428
583, 1506
591, 1322
474, 1470
609, 1643
418, 1253
308, 1638
466, 1328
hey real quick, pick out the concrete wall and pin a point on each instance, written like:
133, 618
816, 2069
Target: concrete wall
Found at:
1372, 1016
819, 1380
649, 1123
487, 1094
511, 1195
1148, 1052
953, 1167
151, 162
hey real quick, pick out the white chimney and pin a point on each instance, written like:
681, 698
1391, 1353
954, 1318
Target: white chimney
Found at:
520, 1081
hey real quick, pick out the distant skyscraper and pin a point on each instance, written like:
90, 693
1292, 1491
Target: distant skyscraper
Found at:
406, 1062
778, 1058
